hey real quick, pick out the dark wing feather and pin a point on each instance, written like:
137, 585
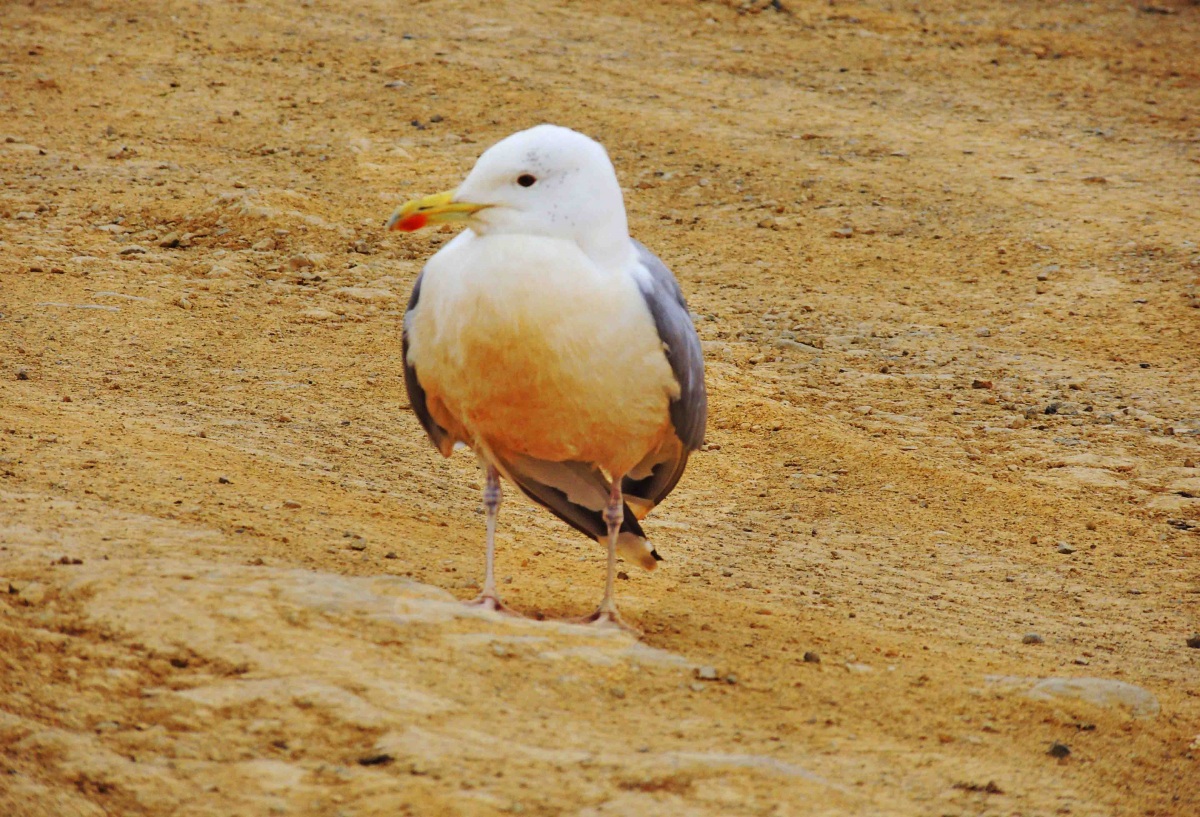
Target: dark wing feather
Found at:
689, 411
575, 492
416, 393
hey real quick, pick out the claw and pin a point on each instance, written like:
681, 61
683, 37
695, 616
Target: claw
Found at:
493, 603
609, 619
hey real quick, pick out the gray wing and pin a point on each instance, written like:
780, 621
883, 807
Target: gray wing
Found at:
441, 438
689, 411
656, 476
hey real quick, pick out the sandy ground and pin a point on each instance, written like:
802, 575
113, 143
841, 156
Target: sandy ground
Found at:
944, 261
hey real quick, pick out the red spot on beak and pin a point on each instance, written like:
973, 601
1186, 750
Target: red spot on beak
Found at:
410, 223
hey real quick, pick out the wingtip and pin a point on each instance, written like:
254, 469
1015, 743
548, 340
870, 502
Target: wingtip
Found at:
654, 553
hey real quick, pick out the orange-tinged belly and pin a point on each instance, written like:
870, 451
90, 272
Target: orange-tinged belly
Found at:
549, 358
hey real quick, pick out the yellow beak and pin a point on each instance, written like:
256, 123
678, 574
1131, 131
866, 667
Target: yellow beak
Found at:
439, 208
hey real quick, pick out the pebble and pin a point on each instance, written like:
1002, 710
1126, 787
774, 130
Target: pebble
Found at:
1194, 642
1065, 547
132, 249
169, 240
981, 384
706, 673
22, 374
843, 232
225, 480
358, 545
291, 503
983, 332
1059, 750
1032, 638
696, 686
266, 245
812, 658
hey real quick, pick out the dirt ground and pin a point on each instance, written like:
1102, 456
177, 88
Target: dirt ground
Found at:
944, 261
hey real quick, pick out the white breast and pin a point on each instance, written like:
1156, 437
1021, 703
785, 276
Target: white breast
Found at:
536, 350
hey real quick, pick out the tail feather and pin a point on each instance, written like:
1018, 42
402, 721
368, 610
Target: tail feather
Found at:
577, 493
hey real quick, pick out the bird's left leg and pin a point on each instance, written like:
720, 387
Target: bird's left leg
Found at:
614, 515
488, 598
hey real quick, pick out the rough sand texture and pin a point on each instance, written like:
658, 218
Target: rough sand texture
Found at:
944, 262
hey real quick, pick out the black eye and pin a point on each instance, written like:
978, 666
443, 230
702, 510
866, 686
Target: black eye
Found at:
525, 180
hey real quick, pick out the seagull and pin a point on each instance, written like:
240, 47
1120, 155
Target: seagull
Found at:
553, 345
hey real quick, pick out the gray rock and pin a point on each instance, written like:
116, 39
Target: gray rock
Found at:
1032, 638
1102, 692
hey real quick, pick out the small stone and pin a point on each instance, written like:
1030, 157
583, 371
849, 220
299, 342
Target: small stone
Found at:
1194, 641
843, 232
291, 503
225, 480
358, 544
731, 679
706, 673
379, 759
983, 332
621, 574
618, 692
391, 554
22, 374
811, 658
266, 245
981, 384
1051, 409
1065, 547
696, 686
1188, 463
132, 249
170, 240
1058, 750
1032, 638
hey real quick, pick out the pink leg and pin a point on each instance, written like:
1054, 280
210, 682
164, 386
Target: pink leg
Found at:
488, 598
614, 513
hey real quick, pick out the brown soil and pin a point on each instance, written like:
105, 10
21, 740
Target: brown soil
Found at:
944, 260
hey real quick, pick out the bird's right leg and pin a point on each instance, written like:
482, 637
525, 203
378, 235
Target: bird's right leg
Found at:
488, 598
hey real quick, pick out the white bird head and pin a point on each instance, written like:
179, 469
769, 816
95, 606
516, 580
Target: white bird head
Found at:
546, 181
